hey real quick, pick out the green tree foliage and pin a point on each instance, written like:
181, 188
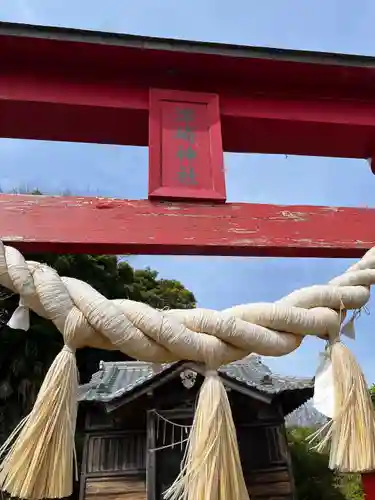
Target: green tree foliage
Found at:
26, 356
372, 392
351, 486
313, 478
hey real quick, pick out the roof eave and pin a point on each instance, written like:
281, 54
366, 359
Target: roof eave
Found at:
177, 45
172, 371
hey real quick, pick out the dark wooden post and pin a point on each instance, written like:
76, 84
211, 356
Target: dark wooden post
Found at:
151, 457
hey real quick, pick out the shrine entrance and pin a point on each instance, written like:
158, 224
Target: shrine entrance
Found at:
170, 448
188, 102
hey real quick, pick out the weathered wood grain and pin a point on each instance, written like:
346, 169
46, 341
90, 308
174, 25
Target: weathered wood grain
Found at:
116, 452
266, 490
270, 483
270, 476
98, 225
119, 488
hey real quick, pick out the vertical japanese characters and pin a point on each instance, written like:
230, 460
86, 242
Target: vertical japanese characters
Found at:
186, 153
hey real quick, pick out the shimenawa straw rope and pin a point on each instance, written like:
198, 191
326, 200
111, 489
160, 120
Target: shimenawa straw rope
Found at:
38, 457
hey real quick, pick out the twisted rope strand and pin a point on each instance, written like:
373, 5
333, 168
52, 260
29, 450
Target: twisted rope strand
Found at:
203, 335
39, 457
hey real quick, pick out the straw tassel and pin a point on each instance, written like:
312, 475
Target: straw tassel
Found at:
39, 456
211, 468
351, 431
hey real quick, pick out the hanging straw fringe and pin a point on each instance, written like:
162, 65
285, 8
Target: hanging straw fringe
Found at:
39, 455
211, 468
350, 434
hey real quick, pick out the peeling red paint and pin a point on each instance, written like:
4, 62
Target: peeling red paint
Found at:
97, 225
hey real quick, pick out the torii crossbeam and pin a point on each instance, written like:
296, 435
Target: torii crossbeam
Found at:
189, 102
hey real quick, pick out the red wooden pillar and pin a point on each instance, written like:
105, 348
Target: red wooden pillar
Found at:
368, 483
185, 146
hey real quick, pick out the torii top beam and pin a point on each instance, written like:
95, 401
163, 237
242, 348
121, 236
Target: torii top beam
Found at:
189, 102
271, 100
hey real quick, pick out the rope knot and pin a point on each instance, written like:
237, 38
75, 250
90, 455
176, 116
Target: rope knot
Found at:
74, 324
68, 348
333, 339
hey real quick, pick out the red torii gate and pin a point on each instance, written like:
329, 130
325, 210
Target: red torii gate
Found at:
187, 101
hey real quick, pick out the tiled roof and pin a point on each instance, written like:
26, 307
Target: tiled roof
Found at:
116, 379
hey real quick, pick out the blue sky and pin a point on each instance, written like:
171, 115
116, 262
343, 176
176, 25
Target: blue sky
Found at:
324, 25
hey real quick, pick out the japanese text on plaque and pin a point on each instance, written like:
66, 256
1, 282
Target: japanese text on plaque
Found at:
186, 153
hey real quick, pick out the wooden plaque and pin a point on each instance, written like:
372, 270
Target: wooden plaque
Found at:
185, 146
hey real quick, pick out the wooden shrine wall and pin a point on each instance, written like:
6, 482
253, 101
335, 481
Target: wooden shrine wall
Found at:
114, 459
114, 466
116, 463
